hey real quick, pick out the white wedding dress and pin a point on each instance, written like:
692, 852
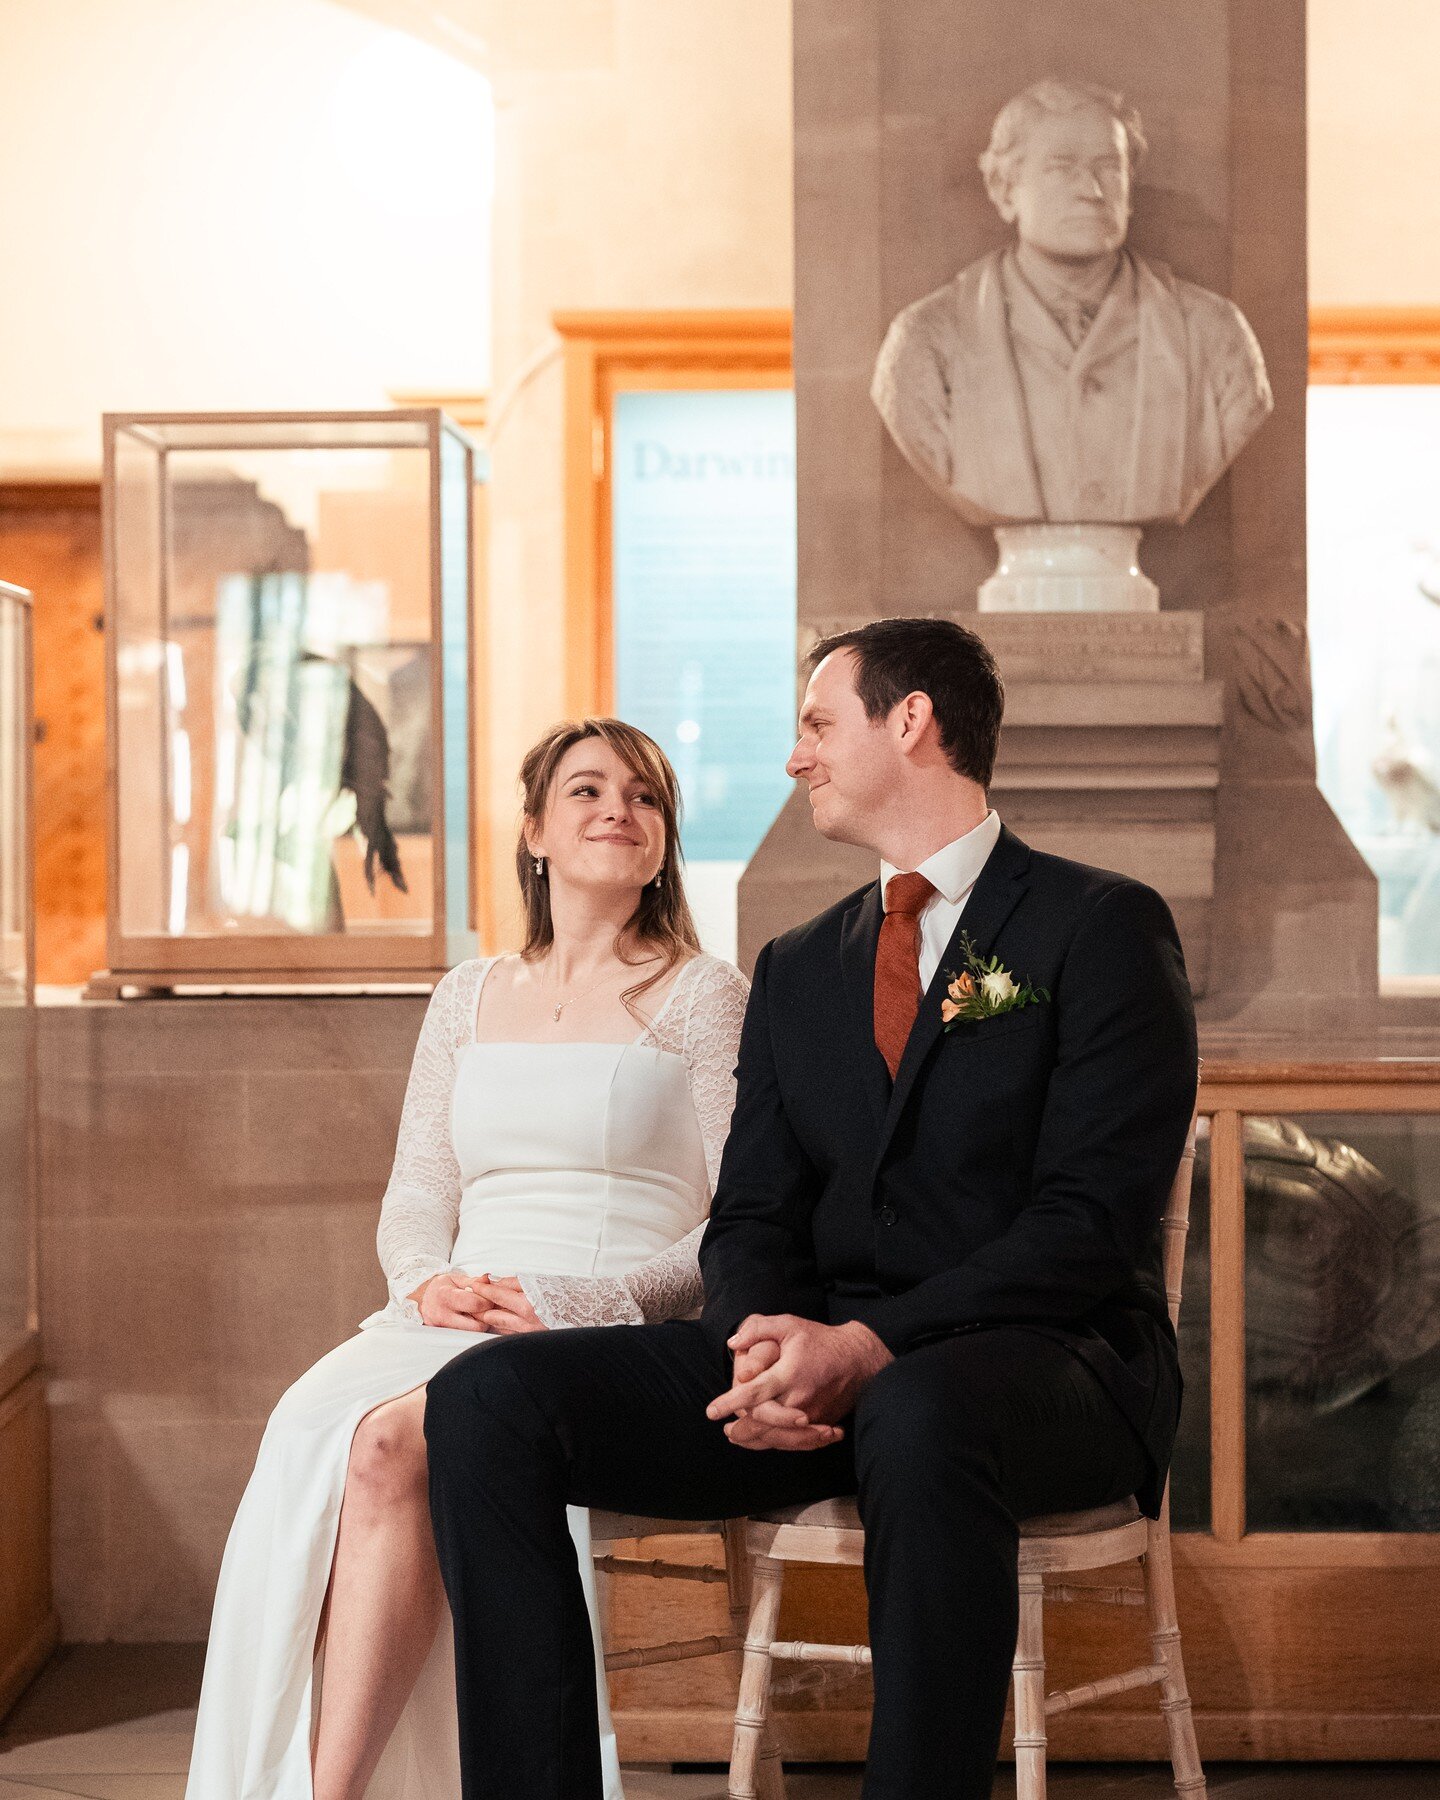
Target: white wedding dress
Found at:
584, 1168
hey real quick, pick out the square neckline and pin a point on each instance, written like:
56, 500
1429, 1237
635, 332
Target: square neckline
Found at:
474, 1042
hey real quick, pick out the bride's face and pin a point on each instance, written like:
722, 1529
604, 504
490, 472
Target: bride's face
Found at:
603, 827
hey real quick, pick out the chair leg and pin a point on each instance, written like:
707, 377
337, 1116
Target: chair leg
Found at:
770, 1772
1165, 1648
752, 1711
737, 1573
1029, 1676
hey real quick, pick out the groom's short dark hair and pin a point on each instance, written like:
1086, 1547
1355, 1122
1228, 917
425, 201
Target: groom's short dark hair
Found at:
896, 657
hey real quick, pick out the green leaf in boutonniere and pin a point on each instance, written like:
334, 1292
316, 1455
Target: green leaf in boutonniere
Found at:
984, 989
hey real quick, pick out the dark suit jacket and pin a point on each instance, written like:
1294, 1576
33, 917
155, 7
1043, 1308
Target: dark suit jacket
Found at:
1017, 1171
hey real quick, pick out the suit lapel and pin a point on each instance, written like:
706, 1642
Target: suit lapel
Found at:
1002, 882
858, 937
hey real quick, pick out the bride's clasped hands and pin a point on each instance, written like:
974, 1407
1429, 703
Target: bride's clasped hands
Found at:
476, 1303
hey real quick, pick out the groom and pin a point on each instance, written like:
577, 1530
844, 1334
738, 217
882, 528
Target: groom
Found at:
932, 1270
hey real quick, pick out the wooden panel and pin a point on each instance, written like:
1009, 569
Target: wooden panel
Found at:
1298, 1663
1312, 1550
583, 473
50, 543
28, 1630
682, 1711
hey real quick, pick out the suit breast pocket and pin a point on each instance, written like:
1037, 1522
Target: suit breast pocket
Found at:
972, 1032
992, 1067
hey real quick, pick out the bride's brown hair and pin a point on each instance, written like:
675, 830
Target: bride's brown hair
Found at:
662, 921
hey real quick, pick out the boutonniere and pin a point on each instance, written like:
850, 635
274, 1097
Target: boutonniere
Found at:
984, 990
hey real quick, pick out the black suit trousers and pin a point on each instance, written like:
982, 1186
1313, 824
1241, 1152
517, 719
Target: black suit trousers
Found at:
948, 1447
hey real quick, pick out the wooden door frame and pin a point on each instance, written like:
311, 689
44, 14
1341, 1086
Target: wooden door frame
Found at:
1374, 345
605, 353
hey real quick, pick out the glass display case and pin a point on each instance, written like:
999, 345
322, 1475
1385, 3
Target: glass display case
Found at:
1342, 1322
17, 1021
288, 600
1341, 1325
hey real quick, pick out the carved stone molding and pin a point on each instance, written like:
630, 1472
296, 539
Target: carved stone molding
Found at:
1271, 677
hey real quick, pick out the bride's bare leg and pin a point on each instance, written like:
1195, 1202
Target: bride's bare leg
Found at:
385, 1598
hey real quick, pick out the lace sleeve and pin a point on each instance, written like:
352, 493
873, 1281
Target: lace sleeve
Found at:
711, 1044
421, 1207
667, 1286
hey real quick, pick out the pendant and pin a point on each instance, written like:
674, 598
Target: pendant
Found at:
557, 1012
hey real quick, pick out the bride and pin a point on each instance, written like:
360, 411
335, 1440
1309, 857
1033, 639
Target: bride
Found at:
558, 1146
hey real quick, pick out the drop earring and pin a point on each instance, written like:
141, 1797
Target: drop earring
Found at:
540, 866
659, 873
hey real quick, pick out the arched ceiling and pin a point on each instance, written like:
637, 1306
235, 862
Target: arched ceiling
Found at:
504, 36
455, 26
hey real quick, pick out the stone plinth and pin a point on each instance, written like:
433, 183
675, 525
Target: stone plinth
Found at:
1150, 647
1123, 775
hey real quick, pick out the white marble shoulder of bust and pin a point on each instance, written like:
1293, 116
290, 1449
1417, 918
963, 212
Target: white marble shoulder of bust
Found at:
934, 312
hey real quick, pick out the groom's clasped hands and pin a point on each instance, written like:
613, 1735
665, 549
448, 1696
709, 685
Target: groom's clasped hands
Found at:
794, 1379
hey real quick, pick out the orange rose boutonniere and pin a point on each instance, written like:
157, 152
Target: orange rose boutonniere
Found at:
984, 990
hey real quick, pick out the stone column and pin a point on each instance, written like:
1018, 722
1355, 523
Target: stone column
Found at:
892, 107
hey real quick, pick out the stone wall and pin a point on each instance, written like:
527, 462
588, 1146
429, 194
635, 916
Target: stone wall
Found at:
210, 1182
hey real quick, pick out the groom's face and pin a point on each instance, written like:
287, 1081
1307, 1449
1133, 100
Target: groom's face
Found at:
849, 763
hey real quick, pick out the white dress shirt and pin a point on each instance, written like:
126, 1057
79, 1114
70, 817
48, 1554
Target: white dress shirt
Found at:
954, 872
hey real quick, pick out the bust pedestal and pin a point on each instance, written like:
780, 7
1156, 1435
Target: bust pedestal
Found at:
1068, 568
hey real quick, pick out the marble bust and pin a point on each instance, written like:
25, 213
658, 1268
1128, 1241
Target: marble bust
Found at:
1066, 378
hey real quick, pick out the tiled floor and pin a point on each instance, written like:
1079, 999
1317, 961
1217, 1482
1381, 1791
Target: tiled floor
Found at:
113, 1722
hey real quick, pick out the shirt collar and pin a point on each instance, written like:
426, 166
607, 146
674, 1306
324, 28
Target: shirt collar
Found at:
955, 869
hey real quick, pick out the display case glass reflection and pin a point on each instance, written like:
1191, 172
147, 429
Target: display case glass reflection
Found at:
1342, 1322
16, 976
290, 603
1374, 605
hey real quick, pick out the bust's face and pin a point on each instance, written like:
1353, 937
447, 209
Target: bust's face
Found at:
1070, 193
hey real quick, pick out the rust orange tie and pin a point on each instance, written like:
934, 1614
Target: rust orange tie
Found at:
897, 965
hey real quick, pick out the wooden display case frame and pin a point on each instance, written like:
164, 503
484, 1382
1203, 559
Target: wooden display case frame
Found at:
142, 963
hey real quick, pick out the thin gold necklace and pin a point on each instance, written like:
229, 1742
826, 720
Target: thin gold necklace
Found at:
569, 999
560, 1005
